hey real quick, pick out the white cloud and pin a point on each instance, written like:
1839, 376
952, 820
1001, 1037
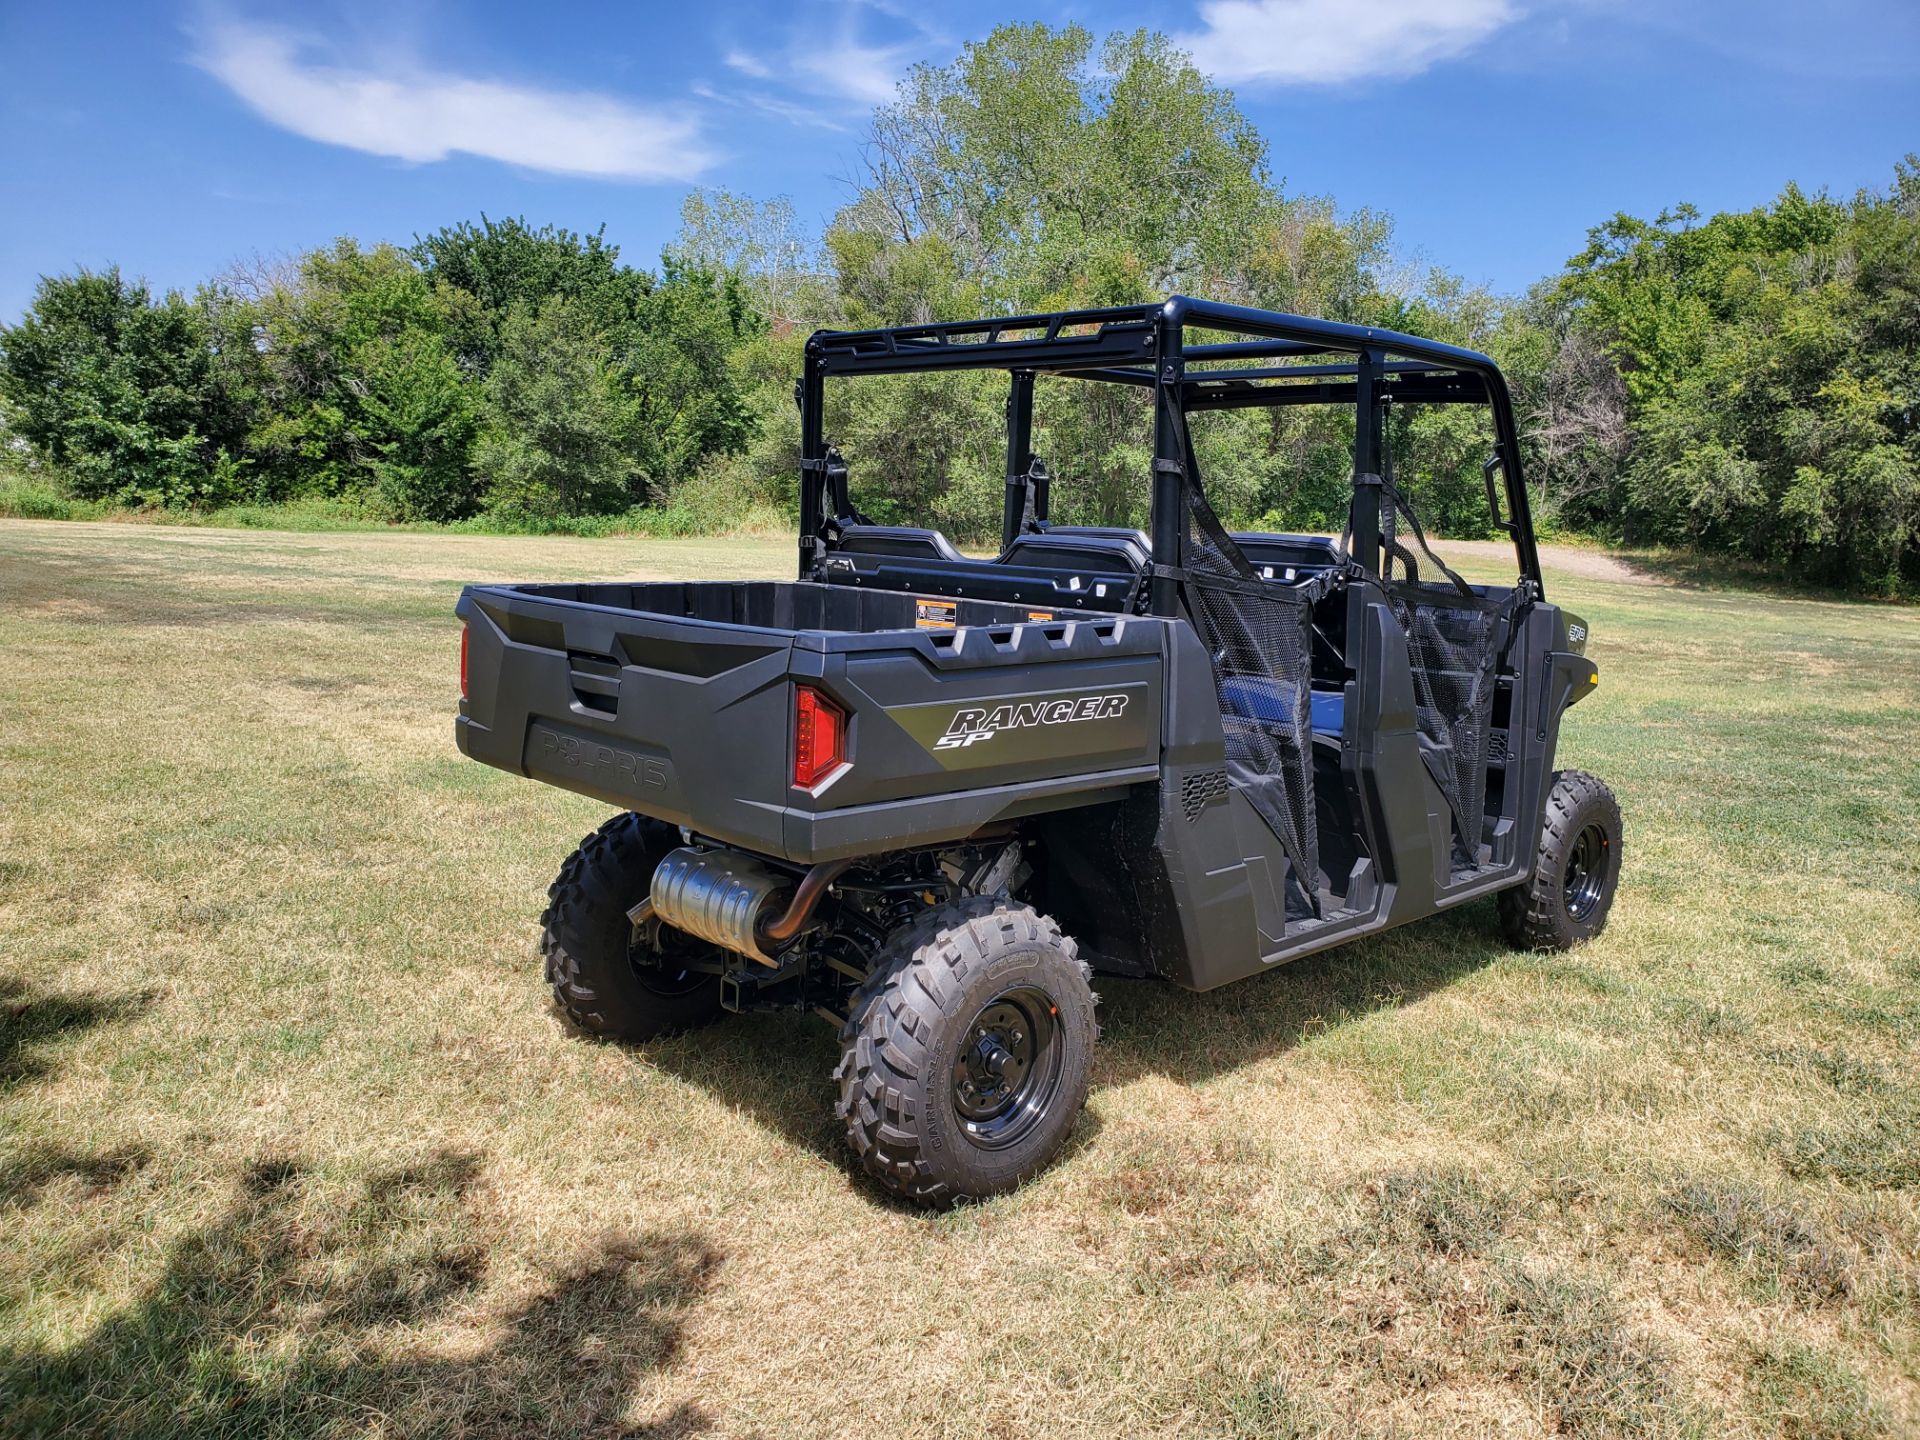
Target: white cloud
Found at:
794, 114
412, 113
1307, 42
749, 64
866, 74
837, 64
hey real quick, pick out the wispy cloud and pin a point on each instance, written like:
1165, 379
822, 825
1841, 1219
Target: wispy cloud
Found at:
748, 64
794, 113
839, 64
1327, 42
397, 108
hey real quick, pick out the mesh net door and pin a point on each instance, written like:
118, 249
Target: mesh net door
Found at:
1454, 639
1260, 636
1452, 648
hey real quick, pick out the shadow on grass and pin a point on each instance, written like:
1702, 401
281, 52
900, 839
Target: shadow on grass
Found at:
778, 1068
297, 1314
1149, 1028
1699, 571
27, 1177
34, 1023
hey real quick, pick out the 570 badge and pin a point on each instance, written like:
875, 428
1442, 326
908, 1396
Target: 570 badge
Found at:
971, 726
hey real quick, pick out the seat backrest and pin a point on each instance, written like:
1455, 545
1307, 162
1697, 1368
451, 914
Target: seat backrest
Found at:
1098, 554
1110, 532
1279, 557
907, 540
1265, 550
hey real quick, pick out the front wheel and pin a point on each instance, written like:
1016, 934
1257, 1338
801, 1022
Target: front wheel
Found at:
1575, 871
965, 1055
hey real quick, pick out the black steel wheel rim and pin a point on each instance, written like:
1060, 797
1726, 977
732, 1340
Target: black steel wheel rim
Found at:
1007, 1070
1587, 868
662, 960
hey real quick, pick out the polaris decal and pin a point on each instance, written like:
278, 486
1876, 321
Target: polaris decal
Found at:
971, 726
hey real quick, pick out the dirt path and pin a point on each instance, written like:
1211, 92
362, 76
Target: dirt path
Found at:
1574, 560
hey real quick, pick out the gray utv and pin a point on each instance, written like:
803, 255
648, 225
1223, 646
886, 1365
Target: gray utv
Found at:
930, 796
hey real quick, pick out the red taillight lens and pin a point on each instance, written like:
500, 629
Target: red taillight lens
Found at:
819, 737
463, 661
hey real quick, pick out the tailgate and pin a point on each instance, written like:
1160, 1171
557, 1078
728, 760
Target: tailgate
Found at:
682, 719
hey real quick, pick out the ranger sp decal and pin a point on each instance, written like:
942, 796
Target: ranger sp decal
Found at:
971, 726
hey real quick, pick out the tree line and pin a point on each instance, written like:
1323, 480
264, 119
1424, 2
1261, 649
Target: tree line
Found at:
1742, 383
495, 365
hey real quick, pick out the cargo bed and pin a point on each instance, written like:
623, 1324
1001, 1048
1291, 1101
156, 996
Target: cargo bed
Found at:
677, 700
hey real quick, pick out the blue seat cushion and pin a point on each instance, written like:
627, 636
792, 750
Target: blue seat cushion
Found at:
1267, 701
1329, 712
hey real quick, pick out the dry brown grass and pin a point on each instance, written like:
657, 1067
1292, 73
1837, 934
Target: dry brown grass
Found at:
292, 1146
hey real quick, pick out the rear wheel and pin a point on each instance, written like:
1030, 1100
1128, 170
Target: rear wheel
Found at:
609, 979
1575, 871
965, 1056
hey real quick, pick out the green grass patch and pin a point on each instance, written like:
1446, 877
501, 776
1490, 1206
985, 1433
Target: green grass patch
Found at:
291, 1144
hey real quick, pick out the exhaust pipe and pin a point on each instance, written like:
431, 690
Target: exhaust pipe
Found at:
733, 900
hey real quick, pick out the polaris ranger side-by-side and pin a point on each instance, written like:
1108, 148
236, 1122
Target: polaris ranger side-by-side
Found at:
929, 795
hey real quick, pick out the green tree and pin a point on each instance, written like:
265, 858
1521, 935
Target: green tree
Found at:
761, 246
683, 403
421, 416
664, 339
1768, 361
557, 417
508, 264
362, 395
119, 391
1026, 176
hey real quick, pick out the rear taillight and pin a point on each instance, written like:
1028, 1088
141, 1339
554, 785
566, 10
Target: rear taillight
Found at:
819, 737
464, 633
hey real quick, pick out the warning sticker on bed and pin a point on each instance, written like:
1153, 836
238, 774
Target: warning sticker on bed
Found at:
934, 614
1039, 614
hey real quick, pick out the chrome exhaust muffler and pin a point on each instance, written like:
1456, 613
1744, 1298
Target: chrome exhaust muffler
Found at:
731, 899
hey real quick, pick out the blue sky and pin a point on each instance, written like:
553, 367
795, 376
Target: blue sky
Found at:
176, 138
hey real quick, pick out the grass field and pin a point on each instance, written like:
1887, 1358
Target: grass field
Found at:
290, 1145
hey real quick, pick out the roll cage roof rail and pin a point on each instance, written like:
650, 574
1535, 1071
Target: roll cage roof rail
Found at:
1146, 345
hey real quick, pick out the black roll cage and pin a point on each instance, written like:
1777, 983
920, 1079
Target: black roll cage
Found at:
1146, 345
